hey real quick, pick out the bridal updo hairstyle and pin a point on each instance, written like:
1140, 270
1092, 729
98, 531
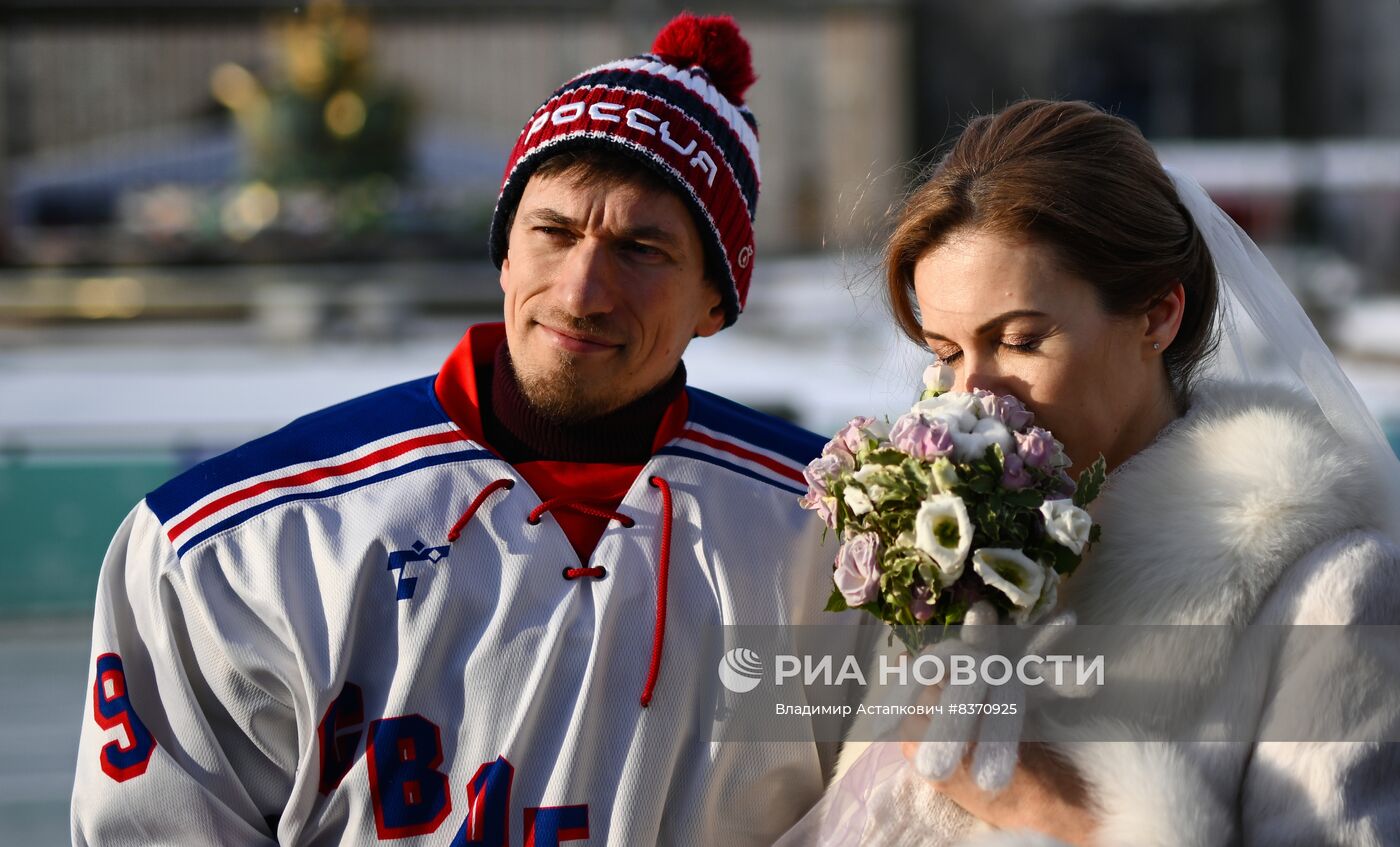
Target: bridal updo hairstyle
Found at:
1085, 183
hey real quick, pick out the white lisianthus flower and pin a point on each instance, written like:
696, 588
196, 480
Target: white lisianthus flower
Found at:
857, 499
1067, 524
943, 532
945, 474
1010, 572
1049, 596
939, 377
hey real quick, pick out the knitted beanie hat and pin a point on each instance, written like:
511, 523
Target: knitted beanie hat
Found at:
679, 110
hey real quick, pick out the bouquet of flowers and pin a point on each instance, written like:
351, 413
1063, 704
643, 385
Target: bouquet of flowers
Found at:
961, 500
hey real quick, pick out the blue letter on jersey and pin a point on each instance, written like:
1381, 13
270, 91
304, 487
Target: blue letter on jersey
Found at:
338, 736
409, 793
547, 826
488, 807
419, 553
111, 705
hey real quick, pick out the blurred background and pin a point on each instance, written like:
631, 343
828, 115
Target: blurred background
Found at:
216, 215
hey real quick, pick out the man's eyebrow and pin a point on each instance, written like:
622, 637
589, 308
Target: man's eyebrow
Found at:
646, 232
994, 322
650, 233
550, 217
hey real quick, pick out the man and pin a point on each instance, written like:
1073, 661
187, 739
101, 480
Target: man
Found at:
480, 607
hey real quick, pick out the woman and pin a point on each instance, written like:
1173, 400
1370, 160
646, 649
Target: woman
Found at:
1052, 257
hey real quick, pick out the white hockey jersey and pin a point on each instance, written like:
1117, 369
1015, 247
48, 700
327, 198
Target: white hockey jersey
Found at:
288, 648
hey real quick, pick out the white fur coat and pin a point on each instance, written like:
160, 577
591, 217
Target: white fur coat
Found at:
1249, 509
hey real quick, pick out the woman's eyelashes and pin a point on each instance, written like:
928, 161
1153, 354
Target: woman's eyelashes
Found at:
1022, 345
1017, 345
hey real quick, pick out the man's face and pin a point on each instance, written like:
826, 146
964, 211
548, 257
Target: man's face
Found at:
604, 288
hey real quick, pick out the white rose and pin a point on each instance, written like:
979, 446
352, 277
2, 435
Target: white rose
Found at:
1010, 572
857, 499
1066, 524
943, 532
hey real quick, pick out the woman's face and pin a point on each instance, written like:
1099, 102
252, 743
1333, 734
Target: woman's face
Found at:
1004, 315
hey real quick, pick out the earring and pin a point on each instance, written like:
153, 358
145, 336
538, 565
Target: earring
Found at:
1156, 345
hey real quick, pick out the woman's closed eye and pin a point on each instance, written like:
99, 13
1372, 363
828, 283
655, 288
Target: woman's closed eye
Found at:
1022, 345
1018, 345
947, 355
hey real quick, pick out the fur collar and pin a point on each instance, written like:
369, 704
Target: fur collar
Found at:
1199, 525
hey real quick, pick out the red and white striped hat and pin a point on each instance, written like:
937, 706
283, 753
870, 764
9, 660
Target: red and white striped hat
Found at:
680, 110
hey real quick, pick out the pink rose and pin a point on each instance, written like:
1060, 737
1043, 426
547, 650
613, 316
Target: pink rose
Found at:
857, 573
821, 504
1013, 413
820, 472
1036, 447
986, 403
835, 448
922, 438
922, 605
1014, 475
854, 434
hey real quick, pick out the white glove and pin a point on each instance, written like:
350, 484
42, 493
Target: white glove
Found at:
991, 717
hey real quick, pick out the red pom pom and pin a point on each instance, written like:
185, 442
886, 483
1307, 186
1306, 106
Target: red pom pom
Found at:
713, 43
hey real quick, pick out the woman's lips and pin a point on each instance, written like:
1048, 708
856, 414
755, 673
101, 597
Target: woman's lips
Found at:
577, 343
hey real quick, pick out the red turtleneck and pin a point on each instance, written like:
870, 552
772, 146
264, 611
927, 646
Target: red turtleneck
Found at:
597, 459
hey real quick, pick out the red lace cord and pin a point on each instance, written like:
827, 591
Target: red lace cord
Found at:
497, 485
663, 569
659, 631
576, 504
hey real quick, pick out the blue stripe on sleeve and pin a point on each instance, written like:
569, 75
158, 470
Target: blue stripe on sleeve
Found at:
253, 511
319, 435
713, 460
775, 434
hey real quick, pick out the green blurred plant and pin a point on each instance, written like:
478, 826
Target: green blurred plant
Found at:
325, 119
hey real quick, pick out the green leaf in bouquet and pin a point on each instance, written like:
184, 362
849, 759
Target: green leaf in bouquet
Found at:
955, 611
885, 456
981, 482
836, 602
1026, 498
996, 458
838, 491
920, 482
1090, 481
1062, 559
